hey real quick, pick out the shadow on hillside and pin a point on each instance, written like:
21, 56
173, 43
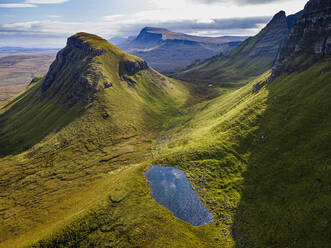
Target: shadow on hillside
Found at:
285, 198
31, 118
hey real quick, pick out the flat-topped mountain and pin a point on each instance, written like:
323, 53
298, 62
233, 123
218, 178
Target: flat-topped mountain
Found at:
254, 56
89, 71
158, 34
166, 50
78, 74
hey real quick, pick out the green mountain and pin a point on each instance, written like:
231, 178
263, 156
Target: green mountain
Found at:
253, 57
89, 76
259, 158
165, 50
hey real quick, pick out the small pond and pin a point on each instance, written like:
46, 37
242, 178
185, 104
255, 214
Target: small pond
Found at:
171, 188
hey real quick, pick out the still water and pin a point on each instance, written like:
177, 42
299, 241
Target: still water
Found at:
171, 188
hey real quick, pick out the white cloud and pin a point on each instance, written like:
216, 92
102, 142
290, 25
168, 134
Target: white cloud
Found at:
189, 16
17, 5
54, 16
31, 3
46, 1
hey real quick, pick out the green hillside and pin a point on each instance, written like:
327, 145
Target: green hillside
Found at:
260, 161
75, 145
251, 58
69, 130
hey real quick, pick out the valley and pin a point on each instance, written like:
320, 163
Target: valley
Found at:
16, 72
241, 141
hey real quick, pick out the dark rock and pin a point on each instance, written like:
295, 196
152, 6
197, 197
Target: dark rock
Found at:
74, 73
34, 80
108, 85
105, 116
271, 37
310, 38
74, 42
132, 67
131, 83
258, 86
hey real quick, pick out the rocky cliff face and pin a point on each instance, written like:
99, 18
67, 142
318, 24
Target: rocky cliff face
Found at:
150, 34
73, 72
132, 67
252, 57
271, 37
76, 72
310, 37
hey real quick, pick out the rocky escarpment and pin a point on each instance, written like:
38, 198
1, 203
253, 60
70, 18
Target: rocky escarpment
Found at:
74, 72
79, 68
76, 43
271, 37
252, 57
310, 38
132, 67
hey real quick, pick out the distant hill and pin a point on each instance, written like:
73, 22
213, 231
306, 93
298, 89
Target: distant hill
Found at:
165, 50
6, 51
253, 57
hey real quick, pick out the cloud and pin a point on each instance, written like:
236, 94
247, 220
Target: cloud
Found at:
46, 1
246, 2
17, 5
43, 32
54, 16
31, 3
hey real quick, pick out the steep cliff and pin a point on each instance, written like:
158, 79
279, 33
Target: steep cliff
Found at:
88, 73
77, 70
254, 56
310, 39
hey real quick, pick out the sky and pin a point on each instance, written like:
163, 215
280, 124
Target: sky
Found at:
48, 23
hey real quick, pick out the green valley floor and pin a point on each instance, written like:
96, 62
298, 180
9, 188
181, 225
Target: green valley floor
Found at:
260, 161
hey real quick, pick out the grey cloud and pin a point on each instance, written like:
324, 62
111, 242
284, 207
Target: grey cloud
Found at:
35, 36
246, 2
190, 26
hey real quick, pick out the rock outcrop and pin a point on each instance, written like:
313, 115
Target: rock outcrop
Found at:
310, 37
132, 67
76, 43
78, 72
73, 72
271, 37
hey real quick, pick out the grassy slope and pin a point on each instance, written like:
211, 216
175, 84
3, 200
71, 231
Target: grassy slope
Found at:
227, 69
70, 149
265, 191
272, 191
252, 57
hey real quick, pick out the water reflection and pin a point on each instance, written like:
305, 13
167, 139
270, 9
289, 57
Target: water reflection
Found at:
171, 188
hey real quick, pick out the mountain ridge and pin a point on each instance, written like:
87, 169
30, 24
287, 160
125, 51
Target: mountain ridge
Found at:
166, 50
251, 58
